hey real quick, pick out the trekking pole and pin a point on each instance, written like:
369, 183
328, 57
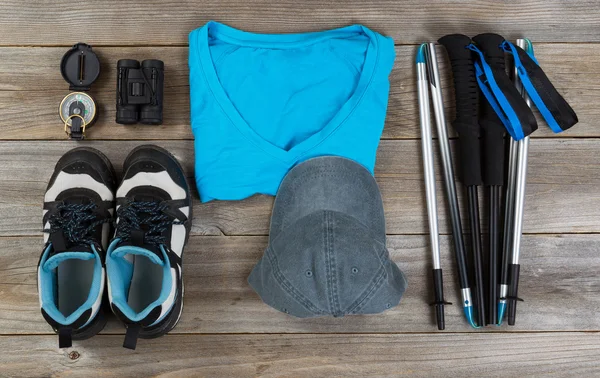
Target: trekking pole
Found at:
518, 119
467, 126
493, 167
459, 246
519, 198
432, 215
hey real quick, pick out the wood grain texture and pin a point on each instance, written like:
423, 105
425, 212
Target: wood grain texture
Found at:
225, 329
559, 282
417, 355
562, 187
31, 88
153, 22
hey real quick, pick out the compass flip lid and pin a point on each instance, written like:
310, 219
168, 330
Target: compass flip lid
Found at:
80, 67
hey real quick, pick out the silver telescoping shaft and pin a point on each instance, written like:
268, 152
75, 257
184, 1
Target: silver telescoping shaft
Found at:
520, 180
519, 199
515, 201
427, 149
440, 118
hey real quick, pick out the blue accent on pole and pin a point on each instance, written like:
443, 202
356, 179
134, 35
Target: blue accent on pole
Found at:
421, 53
529, 50
501, 311
469, 314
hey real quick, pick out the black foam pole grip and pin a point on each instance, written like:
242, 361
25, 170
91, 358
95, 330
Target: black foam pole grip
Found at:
493, 153
467, 98
491, 127
438, 287
513, 293
470, 159
489, 44
465, 83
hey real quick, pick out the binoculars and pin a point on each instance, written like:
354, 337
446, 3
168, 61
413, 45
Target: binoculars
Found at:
140, 91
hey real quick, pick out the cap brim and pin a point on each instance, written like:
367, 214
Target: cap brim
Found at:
329, 183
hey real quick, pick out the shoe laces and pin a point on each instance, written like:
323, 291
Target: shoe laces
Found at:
78, 222
149, 216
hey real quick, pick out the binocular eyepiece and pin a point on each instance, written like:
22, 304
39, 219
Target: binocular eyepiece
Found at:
140, 91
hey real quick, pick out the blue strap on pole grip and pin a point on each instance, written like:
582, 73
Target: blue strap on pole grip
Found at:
489, 95
557, 113
507, 114
521, 121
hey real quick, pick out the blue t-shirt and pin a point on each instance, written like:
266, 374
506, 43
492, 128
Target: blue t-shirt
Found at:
262, 103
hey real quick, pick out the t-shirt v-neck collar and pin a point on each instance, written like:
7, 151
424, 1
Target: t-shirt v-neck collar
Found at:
234, 36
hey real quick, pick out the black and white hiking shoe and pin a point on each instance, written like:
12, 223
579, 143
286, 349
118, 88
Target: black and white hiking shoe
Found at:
78, 208
154, 212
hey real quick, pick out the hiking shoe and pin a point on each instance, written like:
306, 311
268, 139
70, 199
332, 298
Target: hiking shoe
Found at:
78, 208
143, 262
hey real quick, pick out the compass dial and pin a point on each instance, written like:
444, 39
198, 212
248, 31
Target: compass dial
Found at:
78, 103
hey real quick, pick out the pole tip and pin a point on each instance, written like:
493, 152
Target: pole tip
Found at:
439, 312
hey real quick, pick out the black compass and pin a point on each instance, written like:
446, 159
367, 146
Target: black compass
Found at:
80, 67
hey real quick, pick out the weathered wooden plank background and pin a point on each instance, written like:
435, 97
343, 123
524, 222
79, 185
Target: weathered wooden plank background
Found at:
225, 329
277, 355
574, 69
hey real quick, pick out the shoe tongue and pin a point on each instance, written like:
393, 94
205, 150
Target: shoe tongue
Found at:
137, 240
60, 243
80, 252
138, 236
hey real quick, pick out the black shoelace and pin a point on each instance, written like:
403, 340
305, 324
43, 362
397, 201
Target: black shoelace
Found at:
77, 222
149, 216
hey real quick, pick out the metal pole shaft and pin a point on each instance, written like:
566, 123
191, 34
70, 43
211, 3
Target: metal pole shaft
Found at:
432, 215
438, 106
473, 201
427, 149
521, 174
494, 230
517, 227
508, 225
519, 199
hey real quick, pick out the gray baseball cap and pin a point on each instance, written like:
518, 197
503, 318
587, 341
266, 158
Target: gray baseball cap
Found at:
326, 253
